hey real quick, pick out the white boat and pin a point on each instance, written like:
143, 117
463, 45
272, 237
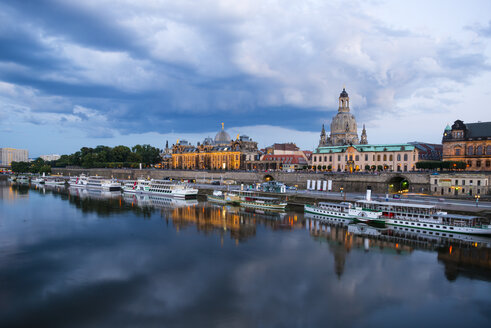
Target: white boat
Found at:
251, 199
38, 180
162, 187
22, 179
54, 181
346, 211
408, 215
103, 183
78, 182
220, 197
130, 186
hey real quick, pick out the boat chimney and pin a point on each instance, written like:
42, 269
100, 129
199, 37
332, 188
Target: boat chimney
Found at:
369, 193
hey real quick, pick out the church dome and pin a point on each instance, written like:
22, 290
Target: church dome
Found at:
222, 137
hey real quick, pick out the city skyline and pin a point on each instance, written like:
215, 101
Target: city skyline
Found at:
110, 73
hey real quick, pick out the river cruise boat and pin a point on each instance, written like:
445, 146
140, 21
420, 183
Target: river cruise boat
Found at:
428, 217
347, 211
54, 181
161, 187
103, 183
38, 180
78, 182
22, 179
250, 199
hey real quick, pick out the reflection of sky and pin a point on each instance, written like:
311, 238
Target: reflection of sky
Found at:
61, 268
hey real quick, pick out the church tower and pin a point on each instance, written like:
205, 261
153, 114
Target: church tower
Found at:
363, 140
343, 125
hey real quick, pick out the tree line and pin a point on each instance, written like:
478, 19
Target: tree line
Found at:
98, 157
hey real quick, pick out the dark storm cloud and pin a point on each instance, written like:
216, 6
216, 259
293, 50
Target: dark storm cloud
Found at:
167, 67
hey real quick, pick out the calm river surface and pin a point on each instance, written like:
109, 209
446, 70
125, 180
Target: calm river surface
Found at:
69, 258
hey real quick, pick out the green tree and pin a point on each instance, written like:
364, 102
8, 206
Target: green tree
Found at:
20, 167
367, 167
120, 153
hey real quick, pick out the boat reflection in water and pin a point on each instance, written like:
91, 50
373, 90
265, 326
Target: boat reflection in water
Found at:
468, 255
157, 201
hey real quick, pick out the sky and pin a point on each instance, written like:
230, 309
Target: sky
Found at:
105, 72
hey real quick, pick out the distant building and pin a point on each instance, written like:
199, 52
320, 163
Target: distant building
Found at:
9, 155
468, 142
280, 156
354, 158
427, 151
220, 153
49, 158
469, 184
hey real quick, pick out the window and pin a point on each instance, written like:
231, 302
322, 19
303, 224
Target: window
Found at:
405, 157
325, 158
315, 158
479, 150
330, 158
378, 158
478, 182
478, 163
435, 181
366, 157
456, 182
385, 157
488, 163
350, 157
339, 158
374, 158
488, 150
399, 157
469, 163
391, 158
457, 151
470, 150
346, 157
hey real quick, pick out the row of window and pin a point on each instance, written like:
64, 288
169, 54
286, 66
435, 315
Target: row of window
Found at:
456, 191
478, 163
463, 182
377, 158
471, 150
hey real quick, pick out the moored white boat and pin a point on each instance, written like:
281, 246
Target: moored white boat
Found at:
78, 182
161, 187
54, 181
103, 183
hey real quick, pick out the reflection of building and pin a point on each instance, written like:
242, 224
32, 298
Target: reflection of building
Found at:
460, 184
470, 143
217, 219
352, 158
220, 153
343, 127
9, 155
474, 263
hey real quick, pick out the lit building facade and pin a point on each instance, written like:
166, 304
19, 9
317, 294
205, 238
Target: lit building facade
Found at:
9, 155
221, 153
450, 184
470, 143
356, 158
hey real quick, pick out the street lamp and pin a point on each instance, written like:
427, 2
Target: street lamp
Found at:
477, 199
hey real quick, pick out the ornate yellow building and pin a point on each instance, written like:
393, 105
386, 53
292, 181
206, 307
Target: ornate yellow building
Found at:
470, 143
221, 153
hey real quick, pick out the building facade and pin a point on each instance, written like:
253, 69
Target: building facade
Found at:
9, 155
344, 129
470, 143
360, 158
462, 184
49, 158
221, 153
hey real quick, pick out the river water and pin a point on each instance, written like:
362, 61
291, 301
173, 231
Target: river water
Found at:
72, 258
